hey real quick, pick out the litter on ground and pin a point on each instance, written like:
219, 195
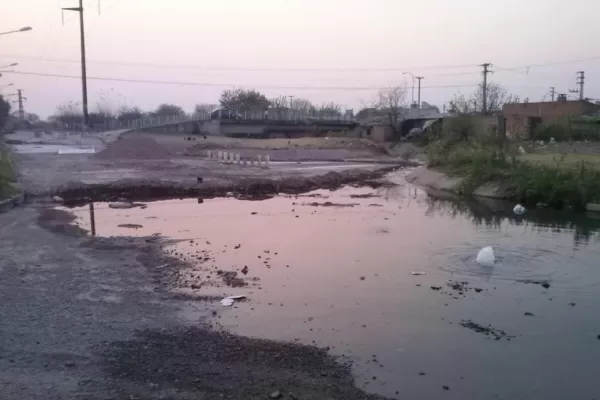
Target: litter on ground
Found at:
228, 301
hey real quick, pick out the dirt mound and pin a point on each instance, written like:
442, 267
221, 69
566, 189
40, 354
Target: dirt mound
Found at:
132, 147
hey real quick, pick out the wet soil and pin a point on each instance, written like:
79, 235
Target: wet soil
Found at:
221, 365
150, 354
247, 189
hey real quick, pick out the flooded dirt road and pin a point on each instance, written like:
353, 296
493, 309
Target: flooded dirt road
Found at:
388, 278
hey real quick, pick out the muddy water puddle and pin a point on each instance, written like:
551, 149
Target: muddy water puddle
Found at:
387, 277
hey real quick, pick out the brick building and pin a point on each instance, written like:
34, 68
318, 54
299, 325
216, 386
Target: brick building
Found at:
523, 118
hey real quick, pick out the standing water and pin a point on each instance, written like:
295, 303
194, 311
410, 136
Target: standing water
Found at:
388, 277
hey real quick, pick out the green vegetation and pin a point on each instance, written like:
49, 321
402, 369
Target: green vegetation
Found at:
569, 129
529, 179
7, 175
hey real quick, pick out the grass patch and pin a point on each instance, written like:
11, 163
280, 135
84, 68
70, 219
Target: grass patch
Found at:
570, 180
7, 175
569, 160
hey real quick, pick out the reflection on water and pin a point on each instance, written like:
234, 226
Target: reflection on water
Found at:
340, 276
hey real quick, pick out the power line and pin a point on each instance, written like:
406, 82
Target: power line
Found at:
208, 84
233, 68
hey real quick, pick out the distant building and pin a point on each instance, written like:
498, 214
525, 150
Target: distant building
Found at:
523, 118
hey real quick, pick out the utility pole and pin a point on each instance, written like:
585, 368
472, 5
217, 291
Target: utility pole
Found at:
580, 82
21, 110
83, 66
291, 101
419, 94
484, 89
552, 93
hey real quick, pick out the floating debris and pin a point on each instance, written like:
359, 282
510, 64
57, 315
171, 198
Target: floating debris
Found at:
486, 256
228, 301
497, 334
417, 273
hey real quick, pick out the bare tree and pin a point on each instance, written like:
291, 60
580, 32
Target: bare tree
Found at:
496, 96
392, 101
330, 109
279, 102
205, 109
460, 104
303, 106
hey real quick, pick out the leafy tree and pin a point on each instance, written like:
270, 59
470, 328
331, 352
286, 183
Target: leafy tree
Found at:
4, 111
244, 100
33, 118
168, 110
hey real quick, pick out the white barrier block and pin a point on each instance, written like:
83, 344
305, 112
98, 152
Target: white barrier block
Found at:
259, 160
221, 157
237, 159
267, 160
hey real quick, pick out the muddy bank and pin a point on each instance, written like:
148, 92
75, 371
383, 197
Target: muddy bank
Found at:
150, 353
439, 180
78, 193
217, 365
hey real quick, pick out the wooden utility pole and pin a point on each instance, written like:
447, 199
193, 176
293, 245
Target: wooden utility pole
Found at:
484, 89
83, 66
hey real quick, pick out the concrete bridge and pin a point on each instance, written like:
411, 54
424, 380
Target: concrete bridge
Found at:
253, 128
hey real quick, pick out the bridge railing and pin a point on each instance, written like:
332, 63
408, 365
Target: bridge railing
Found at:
273, 115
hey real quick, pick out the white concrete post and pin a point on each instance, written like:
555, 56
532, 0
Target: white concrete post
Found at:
221, 157
245, 162
209, 154
267, 160
259, 159
237, 159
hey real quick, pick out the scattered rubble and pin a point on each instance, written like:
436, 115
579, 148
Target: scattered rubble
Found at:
496, 334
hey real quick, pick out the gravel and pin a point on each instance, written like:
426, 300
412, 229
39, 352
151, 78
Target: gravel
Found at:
132, 147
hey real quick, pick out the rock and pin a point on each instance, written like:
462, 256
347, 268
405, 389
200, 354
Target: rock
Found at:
253, 213
446, 387
121, 205
598, 337
275, 395
200, 201
199, 179
245, 270
572, 304
196, 286
57, 199
545, 285
436, 288
362, 278
528, 314
519, 209
422, 374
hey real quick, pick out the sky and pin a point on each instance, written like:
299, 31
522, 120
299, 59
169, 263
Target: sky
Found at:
188, 51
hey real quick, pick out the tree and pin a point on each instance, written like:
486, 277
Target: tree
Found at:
68, 114
33, 118
168, 110
4, 111
330, 109
460, 104
280, 102
205, 109
392, 101
244, 100
496, 96
129, 114
303, 106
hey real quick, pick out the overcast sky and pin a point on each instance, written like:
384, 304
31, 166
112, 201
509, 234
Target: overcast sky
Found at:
323, 50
